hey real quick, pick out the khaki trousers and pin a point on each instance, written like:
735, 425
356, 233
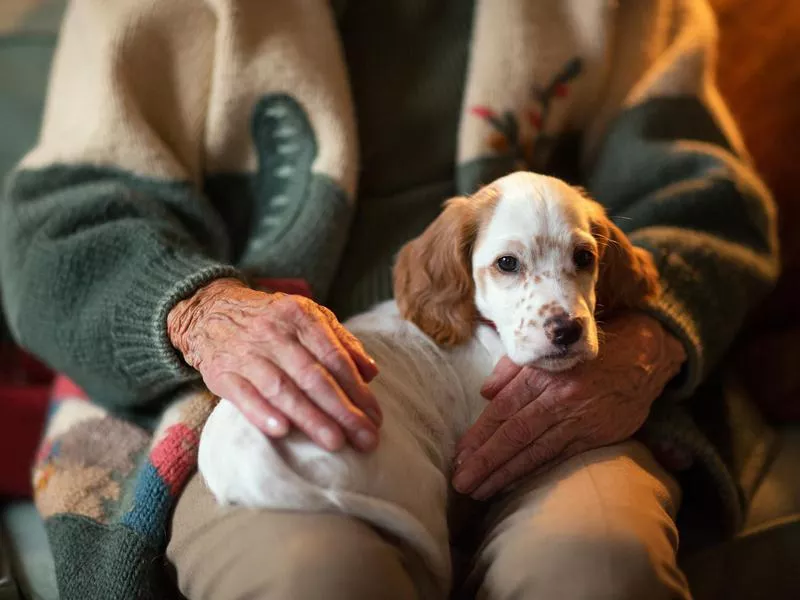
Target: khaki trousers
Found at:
599, 526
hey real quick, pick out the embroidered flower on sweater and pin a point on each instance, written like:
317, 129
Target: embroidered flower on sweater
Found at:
529, 151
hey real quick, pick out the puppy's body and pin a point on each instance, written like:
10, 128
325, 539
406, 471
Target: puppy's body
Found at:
528, 253
428, 395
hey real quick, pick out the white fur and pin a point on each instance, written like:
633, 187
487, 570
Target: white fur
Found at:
539, 220
429, 396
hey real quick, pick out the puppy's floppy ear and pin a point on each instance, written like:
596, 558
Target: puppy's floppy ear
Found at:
433, 283
628, 276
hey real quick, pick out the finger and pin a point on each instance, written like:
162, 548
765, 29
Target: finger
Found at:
524, 389
278, 387
367, 367
366, 371
503, 373
520, 431
253, 406
320, 339
317, 383
532, 461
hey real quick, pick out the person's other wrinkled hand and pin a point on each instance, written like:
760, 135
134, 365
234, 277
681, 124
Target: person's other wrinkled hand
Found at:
283, 360
536, 419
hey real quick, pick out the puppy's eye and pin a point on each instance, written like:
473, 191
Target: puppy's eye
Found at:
508, 264
583, 258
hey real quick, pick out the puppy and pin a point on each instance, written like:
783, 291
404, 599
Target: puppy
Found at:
520, 268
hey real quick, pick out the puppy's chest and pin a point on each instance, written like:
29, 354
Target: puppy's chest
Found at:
418, 391
430, 391
440, 388
473, 363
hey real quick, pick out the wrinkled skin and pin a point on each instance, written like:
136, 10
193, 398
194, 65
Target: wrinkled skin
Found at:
286, 361
536, 419
283, 360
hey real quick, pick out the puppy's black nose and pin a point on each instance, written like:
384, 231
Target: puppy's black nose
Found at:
563, 331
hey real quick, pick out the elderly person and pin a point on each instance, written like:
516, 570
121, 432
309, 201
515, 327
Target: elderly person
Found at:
192, 150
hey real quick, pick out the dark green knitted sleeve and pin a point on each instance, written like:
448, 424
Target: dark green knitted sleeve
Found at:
92, 259
104, 226
670, 179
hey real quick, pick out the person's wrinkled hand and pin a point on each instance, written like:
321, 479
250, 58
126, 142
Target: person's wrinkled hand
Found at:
283, 360
537, 419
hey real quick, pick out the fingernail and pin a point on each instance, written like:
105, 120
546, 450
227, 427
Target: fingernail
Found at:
373, 366
373, 414
275, 427
463, 482
329, 438
463, 456
366, 439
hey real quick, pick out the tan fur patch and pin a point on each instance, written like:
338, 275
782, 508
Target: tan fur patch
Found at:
627, 277
433, 282
487, 198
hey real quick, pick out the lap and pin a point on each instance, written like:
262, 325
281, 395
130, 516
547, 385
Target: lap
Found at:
599, 525
229, 553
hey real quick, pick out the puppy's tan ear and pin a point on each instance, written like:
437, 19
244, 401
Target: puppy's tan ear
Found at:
628, 276
433, 283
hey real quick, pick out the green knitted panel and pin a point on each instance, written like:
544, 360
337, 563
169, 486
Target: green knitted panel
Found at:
284, 220
100, 562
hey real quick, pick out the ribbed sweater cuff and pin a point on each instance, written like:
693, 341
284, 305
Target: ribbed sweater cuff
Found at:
140, 334
672, 314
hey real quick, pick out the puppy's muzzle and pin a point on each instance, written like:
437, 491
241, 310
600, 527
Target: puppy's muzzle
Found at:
563, 331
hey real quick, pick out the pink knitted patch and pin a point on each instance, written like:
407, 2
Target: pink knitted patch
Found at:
64, 387
175, 456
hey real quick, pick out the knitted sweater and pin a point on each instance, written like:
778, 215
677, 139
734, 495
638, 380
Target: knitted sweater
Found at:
189, 140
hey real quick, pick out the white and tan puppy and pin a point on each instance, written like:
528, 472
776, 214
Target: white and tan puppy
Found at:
520, 268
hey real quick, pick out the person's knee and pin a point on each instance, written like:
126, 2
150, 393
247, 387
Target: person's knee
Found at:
345, 561
581, 565
281, 555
